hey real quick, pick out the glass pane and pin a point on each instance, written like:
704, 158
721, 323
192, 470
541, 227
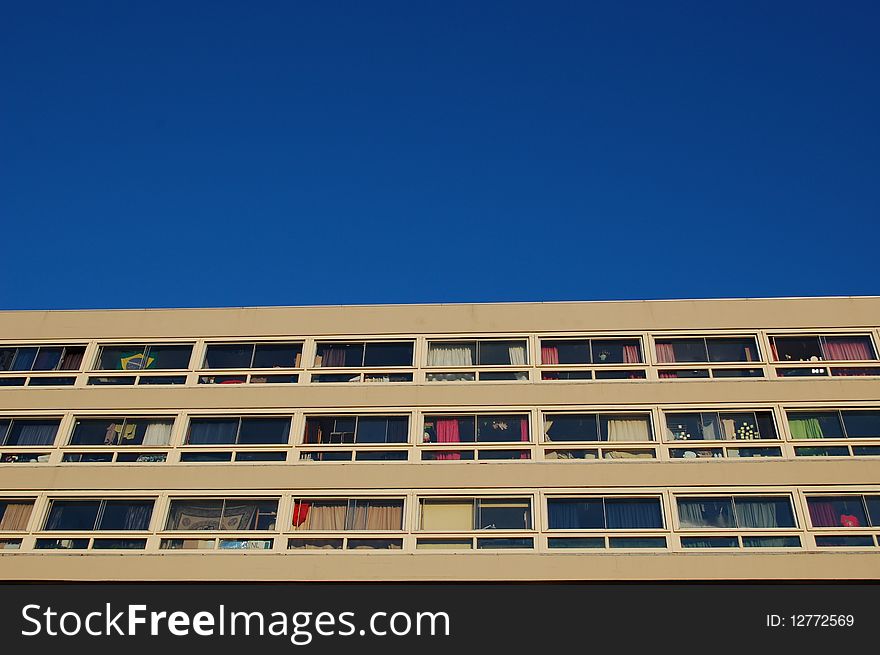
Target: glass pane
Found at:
315, 544
334, 355
624, 427
502, 428
797, 349
837, 512
815, 425
381, 456
742, 349
119, 544
375, 544
616, 351
210, 431
689, 373
850, 541
739, 425
575, 513
72, 515
229, 355
565, 352
854, 348
576, 542
99, 432
861, 424
249, 515
388, 354
14, 514
504, 454
7, 356
277, 355
637, 542
24, 359
373, 429
571, 427
873, 503
505, 542
681, 350
500, 353
48, 359
167, 357
684, 427
261, 456
264, 430
771, 542
193, 515
126, 515
32, 433
632, 513
444, 544
64, 544
824, 451
705, 513
709, 542
766, 512
506, 514
447, 515
206, 457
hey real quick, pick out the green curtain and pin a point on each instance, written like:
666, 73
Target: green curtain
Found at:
805, 428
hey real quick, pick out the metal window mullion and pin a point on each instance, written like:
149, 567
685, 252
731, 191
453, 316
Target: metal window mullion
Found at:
842, 423
253, 354
102, 505
237, 432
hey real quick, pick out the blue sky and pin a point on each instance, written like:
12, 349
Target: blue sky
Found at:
281, 153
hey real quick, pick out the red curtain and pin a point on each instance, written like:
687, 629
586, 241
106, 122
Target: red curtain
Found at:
823, 515
447, 430
667, 374
549, 355
665, 353
843, 349
300, 513
631, 355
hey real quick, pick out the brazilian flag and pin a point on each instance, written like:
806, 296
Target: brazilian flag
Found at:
135, 361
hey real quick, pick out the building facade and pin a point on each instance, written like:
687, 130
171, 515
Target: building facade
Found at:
649, 440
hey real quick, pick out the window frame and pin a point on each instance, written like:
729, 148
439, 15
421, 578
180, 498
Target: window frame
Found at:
363, 343
102, 500
664, 527
145, 349
253, 345
731, 496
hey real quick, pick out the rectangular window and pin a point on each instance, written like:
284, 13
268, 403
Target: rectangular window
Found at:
480, 427
834, 424
228, 514
356, 429
28, 432
115, 515
604, 513
736, 512
478, 353
41, 358
811, 348
854, 511
122, 432
348, 514
143, 357
598, 427
239, 430
360, 354
15, 514
466, 514
706, 349
689, 426
591, 351
253, 355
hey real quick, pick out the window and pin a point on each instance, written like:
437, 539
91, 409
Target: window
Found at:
835, 424
115, 515
239, 430
591, 351
818, 348
597, 427
480, 428
356, 429
844, 511
465, 514
604, 513
41, 358
143, 357
28, 432
229, 514
15, 514
363, 354
345, 514
736, 512
253, 355
122, 432
478, 353
688, 426
706, 349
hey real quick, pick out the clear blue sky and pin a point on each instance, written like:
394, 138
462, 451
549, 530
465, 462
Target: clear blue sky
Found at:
158, 154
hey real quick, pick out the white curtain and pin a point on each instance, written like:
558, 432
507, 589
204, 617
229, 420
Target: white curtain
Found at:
158, 433
447, 354
628, 429
517, 355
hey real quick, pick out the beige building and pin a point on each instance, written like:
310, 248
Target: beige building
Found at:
650, 440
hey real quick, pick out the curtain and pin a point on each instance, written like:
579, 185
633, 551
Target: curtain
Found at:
447, 430
212, 432
451, 355
728, 428
300, 512
667, 374
517, 355
447, 515
805, 428
32, 433
375, 515
324, 515
628, 429
822, 514
549, 355
762, 513
665, 353
709, 427
332, 356
704, 513
15, 516
239, 516
158, 433
137, 516
633, 513
631, 355
195, 515
72, 360
314, 431
842, 348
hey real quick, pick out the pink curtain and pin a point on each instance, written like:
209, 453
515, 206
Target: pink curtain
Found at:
773, 348
823, 515
549, 355
843, 349
447, 430
667, 374
631, 355
665, 353
524, 436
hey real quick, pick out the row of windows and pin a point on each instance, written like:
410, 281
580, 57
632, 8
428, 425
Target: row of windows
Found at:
442, 354
743, 514
449, 429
